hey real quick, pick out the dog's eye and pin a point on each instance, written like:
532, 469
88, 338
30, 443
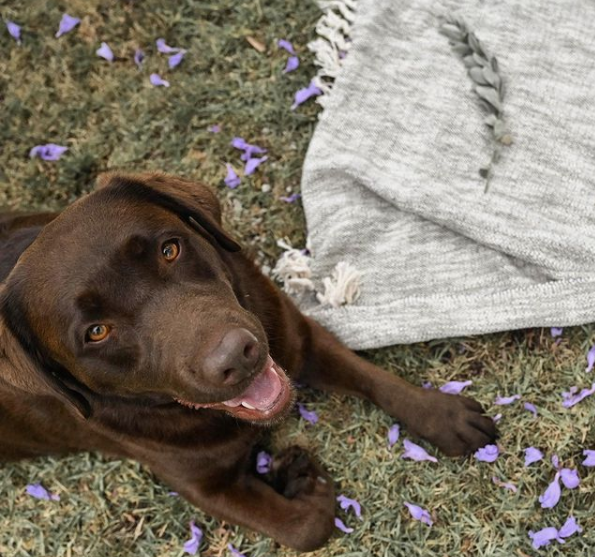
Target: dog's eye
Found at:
170, 250
97, 333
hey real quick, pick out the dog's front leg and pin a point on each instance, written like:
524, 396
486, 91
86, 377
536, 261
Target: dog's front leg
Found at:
455, 424
296, 508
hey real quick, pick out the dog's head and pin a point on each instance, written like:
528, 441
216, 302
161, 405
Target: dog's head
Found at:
129, 294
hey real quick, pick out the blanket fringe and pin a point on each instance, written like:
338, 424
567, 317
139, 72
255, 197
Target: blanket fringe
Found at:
333, 42
342, 288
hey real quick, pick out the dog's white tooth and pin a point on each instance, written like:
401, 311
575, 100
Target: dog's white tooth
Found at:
227, 403
246, 405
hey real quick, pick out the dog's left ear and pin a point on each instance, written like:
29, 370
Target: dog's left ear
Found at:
194, 203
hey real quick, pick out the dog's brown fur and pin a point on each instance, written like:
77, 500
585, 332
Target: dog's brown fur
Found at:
97, 259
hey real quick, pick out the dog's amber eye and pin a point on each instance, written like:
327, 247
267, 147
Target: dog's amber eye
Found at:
97, 333
170, 250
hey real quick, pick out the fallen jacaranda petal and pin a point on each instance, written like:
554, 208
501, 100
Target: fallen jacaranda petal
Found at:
67, 24
455, 387
282, 43
555, 461
164, 49
40, 492
427, 385
139, 56
14, 31
590, 359
293, 63
191, 546
253, 164
543, 537
415, 452
290, 198
158, 81
232, 180
215, 128
48, 152
497, 418
570, 478
419, 514
175, 60
571, 398
556, 331
341, 525
249, 149
503, 400
173, 493
590, 458
393, 434
531, 408
346, 503
552, 494
308, 415
235, 552
508, 485
263, 462
104, 51
532, 455
569, 528
489, 453
302, 95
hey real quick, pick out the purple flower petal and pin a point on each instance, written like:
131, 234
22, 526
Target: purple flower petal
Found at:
48, 152
571, 398
590, 458
215, 128
164, 49
253, 164
157, 80
291, 198
304, 94
308, 415
531, 408
551, 495
455, 387
263, 462
419, 514
570, 478
293, 63
14, 31
532, 455
497, 418
139, 56
427, 385
555, 461
235, 552
569, 528
40, 492
191, 546
415, 452
175, 59
393, 434
508, 485
556, 331
503, 400
249, 150
104, 51
346, 503
489, 453
67, 24
282, 43
543, 537
232, 180
173, 493
341, 525
590, 359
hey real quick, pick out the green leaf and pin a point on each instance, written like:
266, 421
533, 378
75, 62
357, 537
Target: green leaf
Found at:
489, 95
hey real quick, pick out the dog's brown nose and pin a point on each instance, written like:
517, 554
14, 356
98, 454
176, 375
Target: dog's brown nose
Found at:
233, 360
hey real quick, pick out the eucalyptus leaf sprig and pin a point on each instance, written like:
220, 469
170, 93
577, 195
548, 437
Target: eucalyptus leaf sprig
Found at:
484, 71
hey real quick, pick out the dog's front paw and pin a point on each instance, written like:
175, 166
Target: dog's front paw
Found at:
454, 423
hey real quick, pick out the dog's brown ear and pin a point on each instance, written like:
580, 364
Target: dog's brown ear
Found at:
195, 203
24, 362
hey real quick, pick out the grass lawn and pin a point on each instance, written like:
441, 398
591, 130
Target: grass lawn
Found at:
111, 117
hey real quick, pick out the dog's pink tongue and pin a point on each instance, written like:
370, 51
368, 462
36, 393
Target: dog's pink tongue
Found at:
263, 391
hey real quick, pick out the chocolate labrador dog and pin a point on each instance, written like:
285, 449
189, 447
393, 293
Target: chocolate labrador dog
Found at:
132, 324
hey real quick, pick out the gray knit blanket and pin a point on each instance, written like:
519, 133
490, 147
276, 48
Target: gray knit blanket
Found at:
466, 211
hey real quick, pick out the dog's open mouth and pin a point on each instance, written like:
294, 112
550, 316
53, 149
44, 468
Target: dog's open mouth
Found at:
267, 397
